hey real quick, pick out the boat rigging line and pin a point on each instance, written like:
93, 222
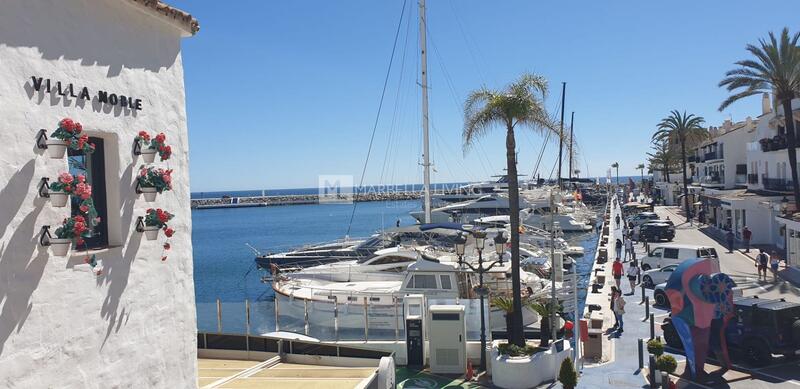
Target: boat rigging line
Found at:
377, 117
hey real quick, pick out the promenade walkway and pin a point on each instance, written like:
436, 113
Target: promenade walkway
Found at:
619, 366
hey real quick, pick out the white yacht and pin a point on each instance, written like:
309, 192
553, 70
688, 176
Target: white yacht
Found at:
435, 280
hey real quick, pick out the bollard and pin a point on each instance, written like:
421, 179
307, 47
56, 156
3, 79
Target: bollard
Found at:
652, 326
646, 307
664, 380
651, 367
641, 353
642, 292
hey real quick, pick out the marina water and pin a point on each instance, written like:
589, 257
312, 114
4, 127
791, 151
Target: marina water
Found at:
223, 263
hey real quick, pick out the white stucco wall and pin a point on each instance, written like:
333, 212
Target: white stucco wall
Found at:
60, 325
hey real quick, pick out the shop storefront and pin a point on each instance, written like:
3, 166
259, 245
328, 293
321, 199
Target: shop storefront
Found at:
96, 285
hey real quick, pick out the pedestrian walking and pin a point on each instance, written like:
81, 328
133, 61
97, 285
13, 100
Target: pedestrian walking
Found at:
746, 234
701, 216
628, 249
774, 261
762, 259
618, 248
633, 275
616, 271
616, 219
614, 292
619, 311
729, 237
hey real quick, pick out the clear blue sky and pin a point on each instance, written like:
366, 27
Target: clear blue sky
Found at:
281, 92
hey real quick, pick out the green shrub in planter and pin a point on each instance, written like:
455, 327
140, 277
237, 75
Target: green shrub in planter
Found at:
512, 350
655, 347
666, 363
567, 374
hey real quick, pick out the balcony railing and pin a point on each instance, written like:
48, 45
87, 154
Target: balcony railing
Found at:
692, 158
777, 184
752, 178
713, 155
777, 142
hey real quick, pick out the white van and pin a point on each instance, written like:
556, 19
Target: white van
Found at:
673, 254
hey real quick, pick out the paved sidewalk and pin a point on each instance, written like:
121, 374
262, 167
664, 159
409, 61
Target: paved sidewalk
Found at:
620, 365
738, 265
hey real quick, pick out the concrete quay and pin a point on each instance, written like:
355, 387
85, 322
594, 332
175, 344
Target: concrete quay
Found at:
265, 201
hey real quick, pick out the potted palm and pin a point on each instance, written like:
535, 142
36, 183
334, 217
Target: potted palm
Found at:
545, 310
68, 134
156, 220
152, 181
72, 229
150, 146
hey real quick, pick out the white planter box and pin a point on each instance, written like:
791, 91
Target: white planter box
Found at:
56, 148
58, 199
151, 232
60, 247
149, 194
148, 155
526, 372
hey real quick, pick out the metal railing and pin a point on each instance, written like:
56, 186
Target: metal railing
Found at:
752, 178
777, 184
331, 320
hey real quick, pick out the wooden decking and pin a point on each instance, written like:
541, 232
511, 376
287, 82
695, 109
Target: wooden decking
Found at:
281, 375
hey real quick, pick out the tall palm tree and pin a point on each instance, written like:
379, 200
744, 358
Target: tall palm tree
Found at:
662, 158
616, 166
641, 173
681, 128
520, 103
776, 68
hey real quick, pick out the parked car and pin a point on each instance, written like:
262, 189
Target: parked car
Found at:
636, 229
760, 329
641, 218
657, 276
656, 232
672, 254
660, 298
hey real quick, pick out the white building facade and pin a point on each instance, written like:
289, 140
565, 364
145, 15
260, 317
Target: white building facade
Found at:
126, 318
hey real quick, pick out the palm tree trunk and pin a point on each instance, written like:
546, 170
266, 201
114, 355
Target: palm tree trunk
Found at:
791, 142
666, 172
685, 183
516, 335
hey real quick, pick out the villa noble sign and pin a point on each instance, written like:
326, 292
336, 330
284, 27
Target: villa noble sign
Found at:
83, 93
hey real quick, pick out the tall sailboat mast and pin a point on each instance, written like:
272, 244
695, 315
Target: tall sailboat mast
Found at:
424, 83
571, 124
561, 136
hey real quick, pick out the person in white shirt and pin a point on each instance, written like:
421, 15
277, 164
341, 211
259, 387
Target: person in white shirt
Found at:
633, 275
628, 249
619, 310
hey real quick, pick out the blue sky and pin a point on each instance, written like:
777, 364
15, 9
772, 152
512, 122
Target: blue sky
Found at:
281, 92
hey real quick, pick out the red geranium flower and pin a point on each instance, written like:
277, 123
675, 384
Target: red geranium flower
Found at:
67, 124
78, 128
169, 232
167, 246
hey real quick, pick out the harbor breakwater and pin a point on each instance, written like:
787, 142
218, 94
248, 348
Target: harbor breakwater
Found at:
297, 199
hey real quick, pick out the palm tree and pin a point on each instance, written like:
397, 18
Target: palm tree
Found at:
520, 103
641, 181
776, 68
545, 309
616, 166
662, 158
681, 128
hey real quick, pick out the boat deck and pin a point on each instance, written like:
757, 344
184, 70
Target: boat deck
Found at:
241, 374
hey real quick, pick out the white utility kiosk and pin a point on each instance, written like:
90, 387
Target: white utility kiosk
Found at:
447, 334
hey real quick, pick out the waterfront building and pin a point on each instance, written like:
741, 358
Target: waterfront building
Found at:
721, 161
118, 309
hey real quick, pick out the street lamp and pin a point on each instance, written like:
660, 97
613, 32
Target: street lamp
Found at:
481, 291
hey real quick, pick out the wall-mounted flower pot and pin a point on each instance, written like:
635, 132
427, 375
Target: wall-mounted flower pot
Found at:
149, 194
58, 199
60, 247
151, 232
148, 155
56, 148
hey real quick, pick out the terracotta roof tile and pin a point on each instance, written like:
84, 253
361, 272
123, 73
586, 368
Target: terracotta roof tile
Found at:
175, 15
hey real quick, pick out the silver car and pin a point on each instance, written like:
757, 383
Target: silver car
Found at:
657, 276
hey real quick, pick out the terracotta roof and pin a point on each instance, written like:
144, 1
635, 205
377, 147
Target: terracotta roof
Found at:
181, 18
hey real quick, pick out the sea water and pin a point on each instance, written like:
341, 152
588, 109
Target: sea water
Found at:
224, 266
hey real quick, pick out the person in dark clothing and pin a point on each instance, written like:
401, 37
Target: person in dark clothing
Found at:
746, 235
762, 259
616, 219
729, 237
618, 248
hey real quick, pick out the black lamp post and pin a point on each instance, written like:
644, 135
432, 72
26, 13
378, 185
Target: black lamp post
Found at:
500, 248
